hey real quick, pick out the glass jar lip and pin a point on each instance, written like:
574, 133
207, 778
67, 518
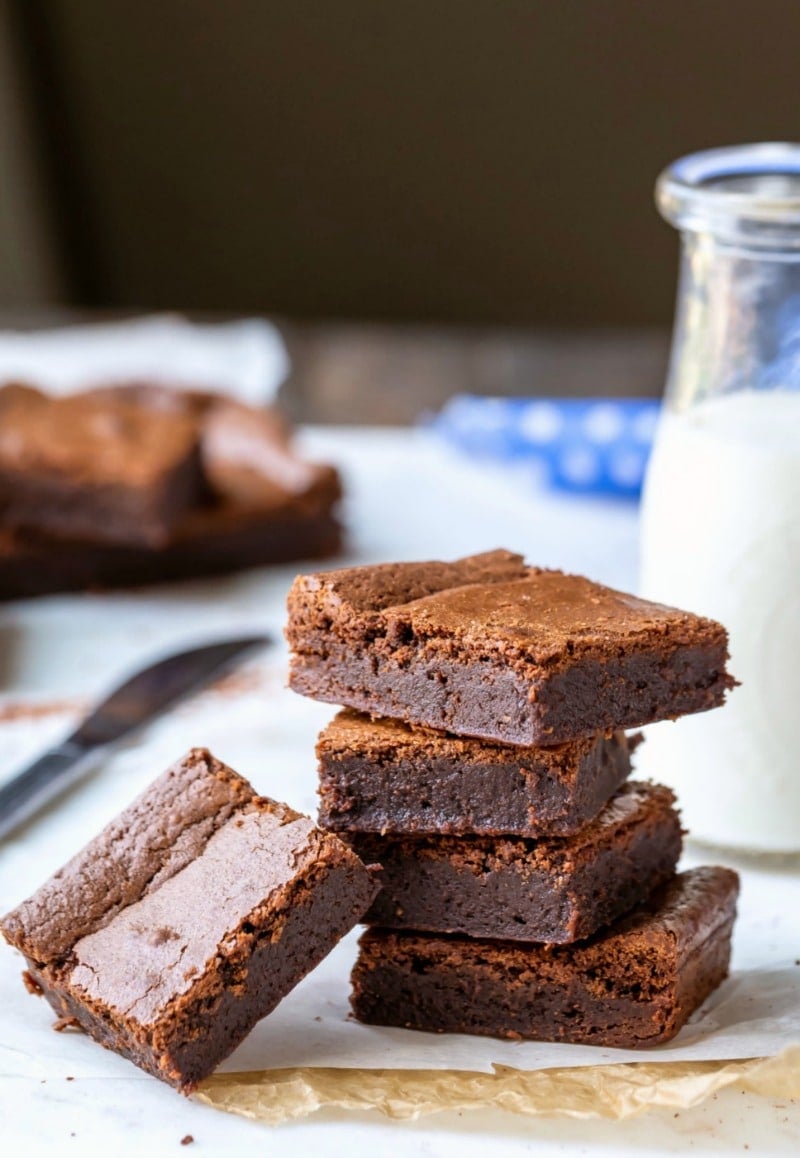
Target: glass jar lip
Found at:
742, 193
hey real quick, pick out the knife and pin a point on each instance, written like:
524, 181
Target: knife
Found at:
139, 700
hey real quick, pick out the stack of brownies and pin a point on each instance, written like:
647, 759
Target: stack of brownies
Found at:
142, 483
528, 888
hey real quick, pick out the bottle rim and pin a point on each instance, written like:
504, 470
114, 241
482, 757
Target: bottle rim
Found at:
745, 194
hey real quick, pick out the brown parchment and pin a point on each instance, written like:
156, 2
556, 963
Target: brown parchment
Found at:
614, 1091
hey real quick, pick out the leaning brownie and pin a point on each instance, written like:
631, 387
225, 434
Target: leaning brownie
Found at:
380, 775
629, 986
492, 648
555, 889
188, 919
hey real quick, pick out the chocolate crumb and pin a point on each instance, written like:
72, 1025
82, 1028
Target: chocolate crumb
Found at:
187, 1140
63, 1023
70, 1078
31, 984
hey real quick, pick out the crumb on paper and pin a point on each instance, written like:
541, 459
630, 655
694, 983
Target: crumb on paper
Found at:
187, 1140
70, 1078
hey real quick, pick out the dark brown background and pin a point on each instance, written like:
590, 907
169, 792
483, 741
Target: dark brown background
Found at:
467, 164
462, 160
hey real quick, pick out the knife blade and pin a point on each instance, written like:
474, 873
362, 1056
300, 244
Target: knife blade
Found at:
134, 703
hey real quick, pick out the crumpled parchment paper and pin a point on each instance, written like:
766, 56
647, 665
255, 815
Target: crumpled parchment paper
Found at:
617, 1091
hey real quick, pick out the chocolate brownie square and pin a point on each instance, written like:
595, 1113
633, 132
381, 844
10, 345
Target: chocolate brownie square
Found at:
630, 986
380, 775
188, 919
490, 647
97, 468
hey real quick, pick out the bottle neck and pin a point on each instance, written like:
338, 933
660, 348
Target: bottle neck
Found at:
737, 322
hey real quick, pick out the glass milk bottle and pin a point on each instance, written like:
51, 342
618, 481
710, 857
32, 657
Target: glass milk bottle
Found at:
721, 506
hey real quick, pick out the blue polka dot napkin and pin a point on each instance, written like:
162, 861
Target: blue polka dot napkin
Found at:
586, 446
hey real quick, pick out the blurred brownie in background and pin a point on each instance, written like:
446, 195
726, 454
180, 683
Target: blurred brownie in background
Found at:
94, 491
97, 467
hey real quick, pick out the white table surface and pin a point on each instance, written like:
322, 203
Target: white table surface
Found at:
406, 500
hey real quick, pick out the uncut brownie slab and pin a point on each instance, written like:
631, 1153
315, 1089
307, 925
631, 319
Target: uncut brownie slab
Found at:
188, 919
556, 889
492, 648
99, 468
629, 986
380, 775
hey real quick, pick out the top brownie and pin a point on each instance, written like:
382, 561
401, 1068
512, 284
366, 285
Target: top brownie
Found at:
490, 647
96, 467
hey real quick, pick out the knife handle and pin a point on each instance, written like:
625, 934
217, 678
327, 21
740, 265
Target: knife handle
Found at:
41, 782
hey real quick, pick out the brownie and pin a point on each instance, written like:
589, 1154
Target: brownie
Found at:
555, 889
99, 468
248, 453
629, 986
380, 775
188, 919
492, 648
250, 461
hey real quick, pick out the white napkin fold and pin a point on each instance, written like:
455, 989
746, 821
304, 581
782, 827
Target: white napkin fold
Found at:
246, 359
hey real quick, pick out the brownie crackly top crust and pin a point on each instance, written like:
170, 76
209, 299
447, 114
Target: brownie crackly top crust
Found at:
100, 440
380, 741
545, 656
490, 604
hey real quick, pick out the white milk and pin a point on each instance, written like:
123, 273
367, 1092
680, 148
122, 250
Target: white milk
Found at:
721, 536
